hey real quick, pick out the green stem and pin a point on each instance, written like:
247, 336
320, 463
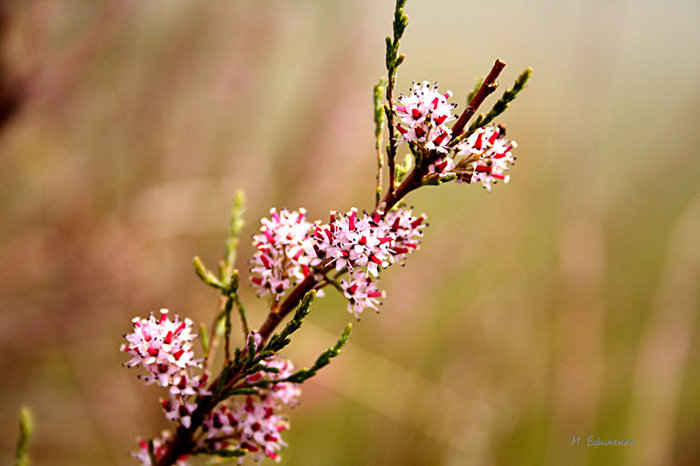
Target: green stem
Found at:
26, 428
378, 126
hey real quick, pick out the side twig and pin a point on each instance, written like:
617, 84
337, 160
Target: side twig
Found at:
378, 128
486, 88
393, 60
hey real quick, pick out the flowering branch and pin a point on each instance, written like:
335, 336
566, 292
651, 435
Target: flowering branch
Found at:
412, 182
246, 363
238, 412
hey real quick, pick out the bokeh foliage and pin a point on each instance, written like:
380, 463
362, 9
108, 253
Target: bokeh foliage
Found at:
565, 303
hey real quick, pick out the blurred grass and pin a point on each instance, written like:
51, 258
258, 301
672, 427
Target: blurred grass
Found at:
565, 303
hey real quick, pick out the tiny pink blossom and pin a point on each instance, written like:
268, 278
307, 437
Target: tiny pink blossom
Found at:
178, 409
181, 404
443, 165
221, 423
361, 293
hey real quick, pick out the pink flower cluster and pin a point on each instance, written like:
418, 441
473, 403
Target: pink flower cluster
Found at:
162, 346
487, 156
289, 248
406, 230
362, 245
350, 241
424, 116
281, 260
255, 425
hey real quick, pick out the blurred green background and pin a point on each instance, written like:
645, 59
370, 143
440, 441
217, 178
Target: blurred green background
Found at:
564, 304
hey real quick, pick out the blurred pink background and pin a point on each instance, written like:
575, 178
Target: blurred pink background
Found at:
564, 304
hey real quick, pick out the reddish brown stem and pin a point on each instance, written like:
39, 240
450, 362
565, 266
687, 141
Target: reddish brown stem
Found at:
411, 182
489, 85
288, 305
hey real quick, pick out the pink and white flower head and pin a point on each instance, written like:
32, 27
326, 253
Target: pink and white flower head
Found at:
361, 293
189, 385
281, 260
180, 407
424, 116
350, 241
442, 166
158, 449
220, 427
259, 427
287, 393
255, 426
487, 156
162, 346
406, 229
